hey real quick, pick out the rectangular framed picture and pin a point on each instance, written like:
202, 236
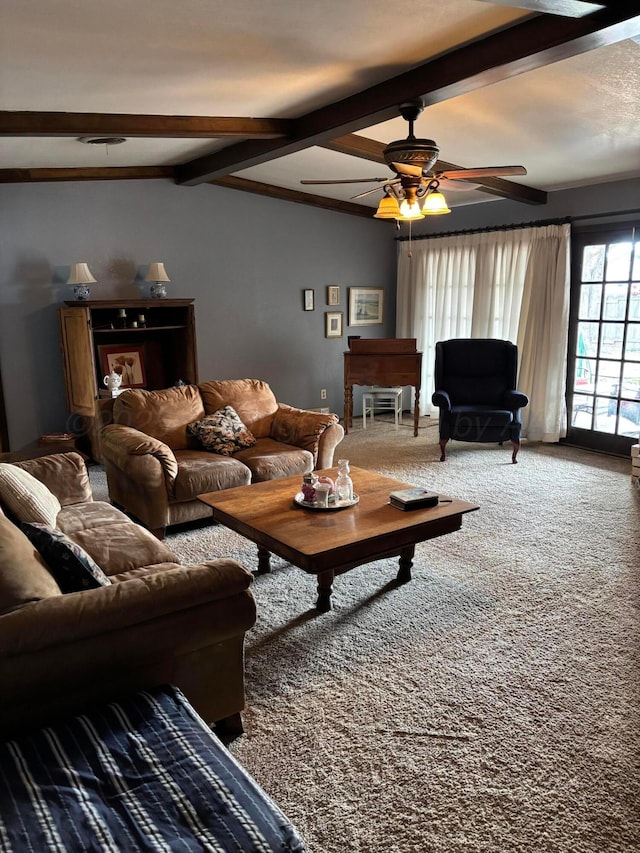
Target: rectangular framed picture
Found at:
365, 306
333, 324
333, 294
308, 300
128, 361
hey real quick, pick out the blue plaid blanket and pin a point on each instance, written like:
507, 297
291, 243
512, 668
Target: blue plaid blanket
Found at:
144, 773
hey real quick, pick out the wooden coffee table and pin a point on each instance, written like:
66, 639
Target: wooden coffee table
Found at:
327, 543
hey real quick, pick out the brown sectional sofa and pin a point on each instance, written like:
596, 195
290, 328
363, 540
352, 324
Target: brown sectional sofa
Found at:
157, 622
156, 469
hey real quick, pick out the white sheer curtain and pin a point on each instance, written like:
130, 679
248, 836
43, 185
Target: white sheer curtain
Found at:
512, 285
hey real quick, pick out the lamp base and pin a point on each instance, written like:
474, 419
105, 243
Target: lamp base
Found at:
158, 290
81, 292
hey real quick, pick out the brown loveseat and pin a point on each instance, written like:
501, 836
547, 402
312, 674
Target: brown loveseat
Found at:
156, 622
156, 468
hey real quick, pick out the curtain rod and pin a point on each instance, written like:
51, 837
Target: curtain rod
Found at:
514, 226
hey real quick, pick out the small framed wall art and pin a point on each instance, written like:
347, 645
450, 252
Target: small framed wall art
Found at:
333, 294
127, 361
365, 306
333, 324
308, 299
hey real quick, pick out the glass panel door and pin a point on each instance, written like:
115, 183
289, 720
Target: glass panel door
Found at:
603, 382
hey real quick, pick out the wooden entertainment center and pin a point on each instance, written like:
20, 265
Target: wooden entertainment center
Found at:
164, 342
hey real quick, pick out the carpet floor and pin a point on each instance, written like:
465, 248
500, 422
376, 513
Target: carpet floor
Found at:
493, 703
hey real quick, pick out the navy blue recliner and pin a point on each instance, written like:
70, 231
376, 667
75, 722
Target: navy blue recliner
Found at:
475, 382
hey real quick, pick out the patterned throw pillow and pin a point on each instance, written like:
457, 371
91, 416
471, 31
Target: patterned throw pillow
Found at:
70, 565
222, 432
27, 498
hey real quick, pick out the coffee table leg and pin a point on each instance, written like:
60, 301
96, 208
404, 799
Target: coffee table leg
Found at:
264, 561
325, 588
406, 561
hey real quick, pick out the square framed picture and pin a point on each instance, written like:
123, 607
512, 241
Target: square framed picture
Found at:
333, 294
333, 324
365, 306
308, 300
128, 361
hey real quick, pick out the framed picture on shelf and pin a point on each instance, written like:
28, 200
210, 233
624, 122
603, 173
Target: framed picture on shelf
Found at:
308, 300
128, 361
333, 324
333, 294
365, 306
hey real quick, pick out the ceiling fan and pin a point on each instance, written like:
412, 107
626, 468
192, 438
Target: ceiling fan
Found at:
412, 162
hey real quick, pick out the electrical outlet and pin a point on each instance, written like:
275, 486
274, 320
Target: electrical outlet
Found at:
323, 393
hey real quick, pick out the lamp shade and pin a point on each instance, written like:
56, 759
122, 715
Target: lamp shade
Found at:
80, 274
410, 210
156, 272
435, 204
388, 208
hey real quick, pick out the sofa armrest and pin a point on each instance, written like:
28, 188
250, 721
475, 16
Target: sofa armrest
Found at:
515, 400
301, 428
329, 440
81, 617
442, 400
120, 443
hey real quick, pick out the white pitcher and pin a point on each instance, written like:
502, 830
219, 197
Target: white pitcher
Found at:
113, 382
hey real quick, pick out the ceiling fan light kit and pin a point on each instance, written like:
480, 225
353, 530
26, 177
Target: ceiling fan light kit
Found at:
412, 160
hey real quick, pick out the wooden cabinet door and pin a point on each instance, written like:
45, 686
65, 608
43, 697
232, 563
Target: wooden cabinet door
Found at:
79, 363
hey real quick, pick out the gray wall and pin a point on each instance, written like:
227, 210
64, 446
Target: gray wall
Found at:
245, 259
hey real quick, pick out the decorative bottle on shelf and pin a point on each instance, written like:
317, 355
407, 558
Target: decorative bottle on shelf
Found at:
344, 483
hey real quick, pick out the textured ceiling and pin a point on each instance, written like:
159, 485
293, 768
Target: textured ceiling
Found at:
570, 122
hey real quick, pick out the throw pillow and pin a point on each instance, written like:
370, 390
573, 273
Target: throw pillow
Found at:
25, 497
24, 576
70, 565
222, 432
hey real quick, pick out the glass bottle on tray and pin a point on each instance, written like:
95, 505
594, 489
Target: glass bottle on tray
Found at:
344, 483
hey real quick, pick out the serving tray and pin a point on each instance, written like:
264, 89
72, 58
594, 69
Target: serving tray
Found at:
333, 504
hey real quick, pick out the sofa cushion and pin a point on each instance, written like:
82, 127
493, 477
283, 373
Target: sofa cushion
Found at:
64, 474
222, 432
24, 576
70, 565
162, 414
253, 400
200, 472
272, 460
25, 497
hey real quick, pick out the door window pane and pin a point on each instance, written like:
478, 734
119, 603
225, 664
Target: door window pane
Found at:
632, 349
590, 299
605, 415
611, 341
618, 262
582, 412
608, 378
588, 339
636, 263
593, 263
615, 301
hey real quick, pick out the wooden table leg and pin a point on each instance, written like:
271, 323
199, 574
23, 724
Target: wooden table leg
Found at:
406, 561
416, 411
264, 561
325, 588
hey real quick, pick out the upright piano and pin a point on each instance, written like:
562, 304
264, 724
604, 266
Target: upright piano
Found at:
381, 361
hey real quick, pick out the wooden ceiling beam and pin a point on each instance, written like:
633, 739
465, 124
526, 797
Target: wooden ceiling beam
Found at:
122, 124
532, 43
110, 173
235, 183
372, 150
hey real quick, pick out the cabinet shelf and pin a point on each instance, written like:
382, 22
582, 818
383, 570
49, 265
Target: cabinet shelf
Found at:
135, 330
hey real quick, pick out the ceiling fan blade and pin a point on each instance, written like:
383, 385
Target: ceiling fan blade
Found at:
449, 184
407, 169
350, 181
375, 189
482, 172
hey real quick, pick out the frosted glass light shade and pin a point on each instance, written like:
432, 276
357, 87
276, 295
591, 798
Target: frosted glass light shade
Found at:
435, 204
410, 210
156, 272
388, 208
80, 274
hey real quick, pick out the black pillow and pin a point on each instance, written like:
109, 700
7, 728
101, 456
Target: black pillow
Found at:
71, 566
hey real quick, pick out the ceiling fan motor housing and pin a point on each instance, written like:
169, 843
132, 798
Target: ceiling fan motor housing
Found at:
415, 152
